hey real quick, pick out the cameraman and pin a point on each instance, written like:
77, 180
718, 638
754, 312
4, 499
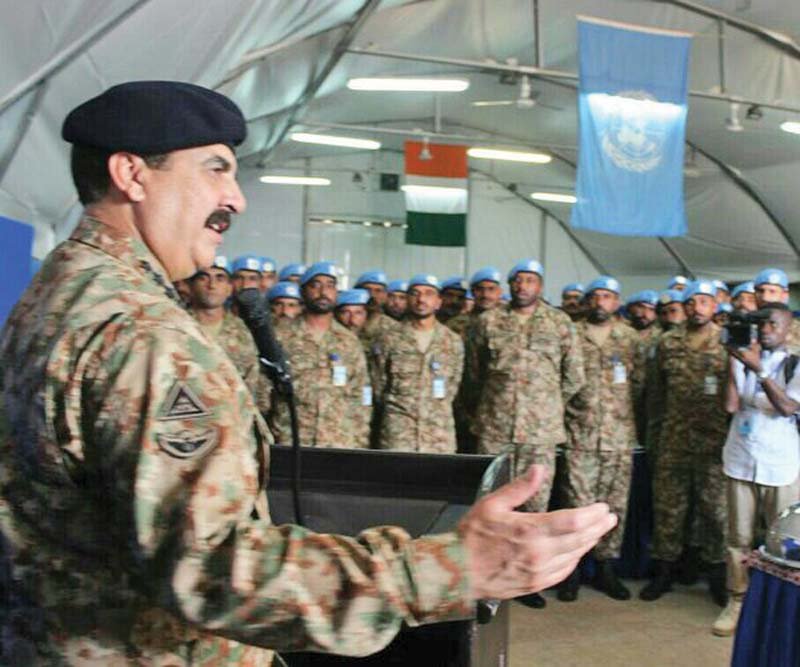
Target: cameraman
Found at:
761, 457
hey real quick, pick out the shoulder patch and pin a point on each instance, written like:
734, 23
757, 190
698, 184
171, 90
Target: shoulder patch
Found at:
182, 403
187, 445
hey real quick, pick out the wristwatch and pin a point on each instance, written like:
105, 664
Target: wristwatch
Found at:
762, 375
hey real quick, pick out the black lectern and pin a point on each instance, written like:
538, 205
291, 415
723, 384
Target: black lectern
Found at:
345, 491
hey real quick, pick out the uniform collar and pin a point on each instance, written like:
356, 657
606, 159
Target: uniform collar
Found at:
126, 249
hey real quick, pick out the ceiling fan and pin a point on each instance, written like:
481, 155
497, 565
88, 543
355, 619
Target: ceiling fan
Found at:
527, 99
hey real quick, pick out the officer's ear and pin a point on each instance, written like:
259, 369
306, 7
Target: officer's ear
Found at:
127, 173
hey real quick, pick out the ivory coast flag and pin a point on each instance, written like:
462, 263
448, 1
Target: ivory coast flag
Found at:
436, 195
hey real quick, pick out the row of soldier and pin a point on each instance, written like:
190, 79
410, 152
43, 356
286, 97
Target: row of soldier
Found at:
425, 366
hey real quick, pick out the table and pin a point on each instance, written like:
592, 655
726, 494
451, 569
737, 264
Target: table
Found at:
769, 627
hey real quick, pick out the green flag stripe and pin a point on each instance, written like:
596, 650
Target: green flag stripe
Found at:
437, 229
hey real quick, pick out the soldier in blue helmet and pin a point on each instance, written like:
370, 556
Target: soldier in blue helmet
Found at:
269, 274
375, 282
670, 309
723, 291
572, 300
292, 273
351, 309
486, 287
285, 301
247, 272
772, 286
679, 283
396, 299
454, 291
743, 297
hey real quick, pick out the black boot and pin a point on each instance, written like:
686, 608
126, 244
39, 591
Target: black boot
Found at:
606, 580
661, 583
688, 569
717, 583
568, 589
532, 600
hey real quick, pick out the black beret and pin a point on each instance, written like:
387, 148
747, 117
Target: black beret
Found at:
154, 117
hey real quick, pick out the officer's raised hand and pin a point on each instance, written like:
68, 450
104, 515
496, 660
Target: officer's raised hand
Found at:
512, 553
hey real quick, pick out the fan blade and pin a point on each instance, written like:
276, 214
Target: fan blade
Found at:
493, 103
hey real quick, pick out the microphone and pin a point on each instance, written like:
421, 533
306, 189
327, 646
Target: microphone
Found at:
256, 315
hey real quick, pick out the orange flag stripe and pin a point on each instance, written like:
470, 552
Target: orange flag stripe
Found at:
447, 160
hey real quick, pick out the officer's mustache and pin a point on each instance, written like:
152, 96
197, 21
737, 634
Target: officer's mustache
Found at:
219, 221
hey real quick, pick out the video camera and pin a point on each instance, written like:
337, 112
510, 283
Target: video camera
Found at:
741, 329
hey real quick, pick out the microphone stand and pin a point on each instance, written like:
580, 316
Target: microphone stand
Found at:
272, 358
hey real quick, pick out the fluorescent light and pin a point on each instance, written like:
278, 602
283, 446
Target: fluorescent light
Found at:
409, 85
327, 221
511, 156
430, 189
331, 140
367, 223
554, 197
791, 126
295, 180
387, 224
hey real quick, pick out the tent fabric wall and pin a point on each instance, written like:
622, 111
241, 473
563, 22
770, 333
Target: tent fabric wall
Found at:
266, 53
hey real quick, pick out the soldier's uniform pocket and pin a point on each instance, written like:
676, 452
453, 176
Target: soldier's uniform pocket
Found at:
406, 373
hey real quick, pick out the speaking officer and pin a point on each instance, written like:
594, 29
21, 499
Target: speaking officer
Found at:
692, 373
527, 363
133, 513
601, 432
418, 370
329, 370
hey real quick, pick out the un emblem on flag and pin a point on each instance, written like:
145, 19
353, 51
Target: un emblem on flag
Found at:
635, 130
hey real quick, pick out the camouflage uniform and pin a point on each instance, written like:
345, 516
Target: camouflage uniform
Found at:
133, 512
645, 377
692, 377
329, 414
460, 324
526, 370
601, 432
417, 390
793, 337
467, 394
235, 338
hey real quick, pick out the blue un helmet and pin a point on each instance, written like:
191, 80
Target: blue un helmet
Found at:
670, 296
425, 279
376, 276
724, 308
397, 286
352, 297
679, 282
221, 262
648, 296
319, 269
469, 296
290, 270
698, 287
283, 290
772, 277
455, 282
489, 273
268, 265
605, 282
721, 286
526, 266
248, 263
748, 287
573, 287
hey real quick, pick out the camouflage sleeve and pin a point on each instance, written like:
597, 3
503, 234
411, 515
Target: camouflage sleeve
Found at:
457, 371
573, 376
167, 431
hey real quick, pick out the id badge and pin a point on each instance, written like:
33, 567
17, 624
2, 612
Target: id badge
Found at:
339, 376
620, 374
439, 387
366, 396
745, 426
710, 385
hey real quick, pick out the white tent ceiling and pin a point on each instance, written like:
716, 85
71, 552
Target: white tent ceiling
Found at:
286, 63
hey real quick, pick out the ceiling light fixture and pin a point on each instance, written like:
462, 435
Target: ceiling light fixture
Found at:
294, 180
556, 197
791, 126
409, 85
332, 140
511, 156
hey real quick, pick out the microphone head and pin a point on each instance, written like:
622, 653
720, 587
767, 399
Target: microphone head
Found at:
251, 304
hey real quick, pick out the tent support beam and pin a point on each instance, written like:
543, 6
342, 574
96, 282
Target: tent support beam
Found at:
564, 226
66, 56
543, 73
685, 268
24, 126
342, 47
736, 176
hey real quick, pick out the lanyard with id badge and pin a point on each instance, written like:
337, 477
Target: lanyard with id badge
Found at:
338, 371
620, 373
439, 386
